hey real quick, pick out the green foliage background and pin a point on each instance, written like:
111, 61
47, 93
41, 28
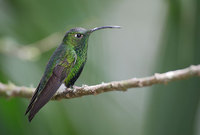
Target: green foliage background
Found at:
157, 36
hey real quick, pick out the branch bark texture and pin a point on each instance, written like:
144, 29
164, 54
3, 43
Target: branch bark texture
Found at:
11, 90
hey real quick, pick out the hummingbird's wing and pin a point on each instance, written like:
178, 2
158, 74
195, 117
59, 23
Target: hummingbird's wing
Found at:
59, 73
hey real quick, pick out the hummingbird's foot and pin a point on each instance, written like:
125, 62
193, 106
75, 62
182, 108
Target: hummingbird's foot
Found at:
76, 87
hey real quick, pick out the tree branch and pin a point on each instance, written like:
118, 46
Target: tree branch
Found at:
10, 90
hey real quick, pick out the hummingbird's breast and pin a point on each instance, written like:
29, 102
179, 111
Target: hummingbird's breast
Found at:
76, 70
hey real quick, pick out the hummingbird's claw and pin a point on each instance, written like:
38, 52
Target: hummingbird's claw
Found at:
75, 87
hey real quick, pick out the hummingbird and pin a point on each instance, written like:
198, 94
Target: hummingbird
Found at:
64, 66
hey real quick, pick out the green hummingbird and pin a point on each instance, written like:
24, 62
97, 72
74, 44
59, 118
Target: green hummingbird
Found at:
64, 66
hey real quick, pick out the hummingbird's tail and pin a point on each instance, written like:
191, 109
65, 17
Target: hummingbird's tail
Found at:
32, 100
47, 93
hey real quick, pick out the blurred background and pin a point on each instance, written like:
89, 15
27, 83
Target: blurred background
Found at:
156, 36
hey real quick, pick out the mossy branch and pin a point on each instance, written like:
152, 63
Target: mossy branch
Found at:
11, 90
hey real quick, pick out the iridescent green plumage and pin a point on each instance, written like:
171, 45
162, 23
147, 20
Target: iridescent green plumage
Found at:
65, 65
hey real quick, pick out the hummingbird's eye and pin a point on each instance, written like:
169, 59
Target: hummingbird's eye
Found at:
78, 35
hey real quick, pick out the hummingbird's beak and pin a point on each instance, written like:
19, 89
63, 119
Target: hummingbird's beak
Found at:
103, 27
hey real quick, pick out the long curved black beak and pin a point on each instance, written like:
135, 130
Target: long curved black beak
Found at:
103, 27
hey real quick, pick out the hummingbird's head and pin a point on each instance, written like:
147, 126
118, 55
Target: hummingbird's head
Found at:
78, 37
